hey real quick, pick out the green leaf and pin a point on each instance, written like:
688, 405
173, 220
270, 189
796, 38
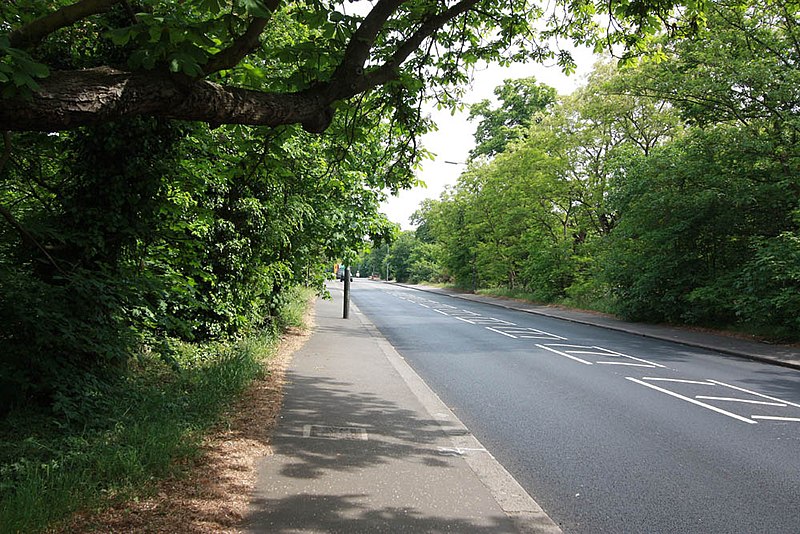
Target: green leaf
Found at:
211, 6
119, 36
256, 8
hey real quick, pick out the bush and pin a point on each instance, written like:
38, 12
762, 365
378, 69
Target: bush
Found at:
135, 433
769, 287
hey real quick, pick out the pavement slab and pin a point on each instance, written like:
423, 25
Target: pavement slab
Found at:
363, 445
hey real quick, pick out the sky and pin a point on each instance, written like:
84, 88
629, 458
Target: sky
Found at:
454, 138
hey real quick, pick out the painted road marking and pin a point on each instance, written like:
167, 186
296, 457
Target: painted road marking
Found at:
754, 393
575, 351
579, 352
529, 333
501, 332
564, 354
745, 401
489, 320
693, 401
629, 364
679, 380
647, 362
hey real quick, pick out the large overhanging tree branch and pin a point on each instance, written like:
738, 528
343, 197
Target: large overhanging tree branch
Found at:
369, 53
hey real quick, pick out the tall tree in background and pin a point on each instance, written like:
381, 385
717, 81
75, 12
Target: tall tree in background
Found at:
710, 221
520, 100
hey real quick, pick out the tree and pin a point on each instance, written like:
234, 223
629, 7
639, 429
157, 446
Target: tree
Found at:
126, 236
520, 100
708, 228
266, 62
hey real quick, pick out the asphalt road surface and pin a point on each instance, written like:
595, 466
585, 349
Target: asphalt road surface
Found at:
607, 431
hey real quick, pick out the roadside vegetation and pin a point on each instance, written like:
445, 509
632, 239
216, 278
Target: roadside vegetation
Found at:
663, 190
146, 266
153, 240
147, 424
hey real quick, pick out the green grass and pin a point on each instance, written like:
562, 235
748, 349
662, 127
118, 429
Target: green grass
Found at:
154, 421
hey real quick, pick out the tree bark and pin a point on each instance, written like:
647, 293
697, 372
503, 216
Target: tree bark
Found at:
68, 99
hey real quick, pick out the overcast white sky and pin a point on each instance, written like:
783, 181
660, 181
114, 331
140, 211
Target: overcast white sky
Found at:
453, 140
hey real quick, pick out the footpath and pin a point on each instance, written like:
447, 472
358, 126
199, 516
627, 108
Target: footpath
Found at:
364, 446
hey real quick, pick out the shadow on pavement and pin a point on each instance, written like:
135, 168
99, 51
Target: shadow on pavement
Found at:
393, 432
344, 514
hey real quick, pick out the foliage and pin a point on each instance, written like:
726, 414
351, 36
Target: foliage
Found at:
769, 286
297, 59
148, 427
662, 191
520, 101
125, 234
691, 212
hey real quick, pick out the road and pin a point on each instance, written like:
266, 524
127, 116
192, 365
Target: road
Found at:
607, 431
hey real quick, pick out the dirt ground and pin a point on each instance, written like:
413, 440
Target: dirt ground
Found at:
213, 497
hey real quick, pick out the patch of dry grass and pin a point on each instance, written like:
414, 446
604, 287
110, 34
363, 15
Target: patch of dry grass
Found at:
213, 494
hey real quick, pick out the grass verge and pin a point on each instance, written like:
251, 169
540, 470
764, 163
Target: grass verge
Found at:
150, 428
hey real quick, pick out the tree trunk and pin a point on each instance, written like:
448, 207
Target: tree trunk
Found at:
68, 99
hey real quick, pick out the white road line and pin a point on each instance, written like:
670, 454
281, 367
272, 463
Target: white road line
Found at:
680, 380
502, 321
776, 418
547, 334
633, 358
563, 354
745, 401
423, 305
532, 333
440, 311
462, 319
500, 332
687, 399
754, 393
470, 312
628, 364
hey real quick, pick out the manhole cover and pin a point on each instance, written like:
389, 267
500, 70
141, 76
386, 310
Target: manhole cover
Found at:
334, 432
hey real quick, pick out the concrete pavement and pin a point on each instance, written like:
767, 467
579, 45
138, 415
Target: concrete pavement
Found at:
363, 445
